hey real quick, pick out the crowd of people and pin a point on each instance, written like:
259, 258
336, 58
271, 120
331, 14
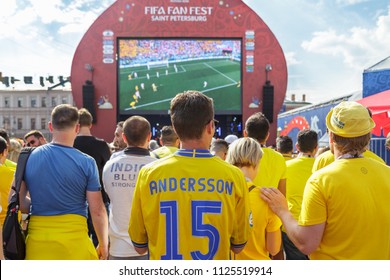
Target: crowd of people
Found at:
199, 198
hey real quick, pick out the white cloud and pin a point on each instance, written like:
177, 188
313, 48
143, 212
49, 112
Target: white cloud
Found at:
291, 58
15, 21
8, 8
49, 11
350, 2
358, 48
79, 24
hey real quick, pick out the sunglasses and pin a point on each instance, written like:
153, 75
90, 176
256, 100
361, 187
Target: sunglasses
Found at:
32, 142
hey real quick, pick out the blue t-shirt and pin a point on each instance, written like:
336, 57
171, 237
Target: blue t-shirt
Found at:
58, 178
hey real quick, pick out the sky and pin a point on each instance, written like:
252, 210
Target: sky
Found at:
327, 44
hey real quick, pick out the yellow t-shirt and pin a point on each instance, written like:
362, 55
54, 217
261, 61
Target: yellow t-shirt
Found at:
164, 151
10, 164
272, 169
6, 178
263, 220
352, 197
327, 158
190, 205
287, 157
298, 171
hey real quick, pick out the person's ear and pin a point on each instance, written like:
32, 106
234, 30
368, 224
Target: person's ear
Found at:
330, 137
77, 128
124, 138
210, 127
50, 127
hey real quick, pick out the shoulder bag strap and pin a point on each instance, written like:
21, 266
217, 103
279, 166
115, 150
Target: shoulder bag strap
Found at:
19, 173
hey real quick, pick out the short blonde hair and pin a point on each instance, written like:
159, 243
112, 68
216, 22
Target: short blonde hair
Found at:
244, 152
14, 149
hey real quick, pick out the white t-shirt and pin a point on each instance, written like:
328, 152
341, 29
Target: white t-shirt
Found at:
119, 177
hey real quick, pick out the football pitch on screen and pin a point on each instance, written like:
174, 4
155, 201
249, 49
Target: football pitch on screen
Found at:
151, 89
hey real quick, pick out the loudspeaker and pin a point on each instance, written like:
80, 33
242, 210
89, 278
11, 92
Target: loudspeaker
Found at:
89, 100
268, 102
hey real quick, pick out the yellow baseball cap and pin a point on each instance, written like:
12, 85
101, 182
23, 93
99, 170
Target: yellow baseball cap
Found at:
349, 119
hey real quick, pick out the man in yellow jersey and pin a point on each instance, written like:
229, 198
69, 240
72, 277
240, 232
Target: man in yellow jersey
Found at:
284, 145
272, 167
219, 148
169, 141
298, 171
345, 208
190, 205
327, 158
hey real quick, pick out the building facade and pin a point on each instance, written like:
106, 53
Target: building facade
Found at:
25, 110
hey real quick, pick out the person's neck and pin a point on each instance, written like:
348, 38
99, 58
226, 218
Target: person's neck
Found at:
339, 155
63, 139
2, 159
249, 172
308, 155
263, 143
200, 144
84, 131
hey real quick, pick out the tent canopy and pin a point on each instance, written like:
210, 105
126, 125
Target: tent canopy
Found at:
379, 104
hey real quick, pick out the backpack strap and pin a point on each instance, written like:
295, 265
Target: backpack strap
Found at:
19, 173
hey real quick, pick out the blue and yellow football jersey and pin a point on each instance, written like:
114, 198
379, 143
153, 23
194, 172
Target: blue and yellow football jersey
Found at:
190, 205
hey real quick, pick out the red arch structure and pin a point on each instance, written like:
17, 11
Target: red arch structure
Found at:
297, 122
94, 61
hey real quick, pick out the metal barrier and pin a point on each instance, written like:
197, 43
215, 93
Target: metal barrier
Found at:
377, 145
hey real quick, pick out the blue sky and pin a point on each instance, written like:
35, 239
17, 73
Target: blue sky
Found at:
327, 44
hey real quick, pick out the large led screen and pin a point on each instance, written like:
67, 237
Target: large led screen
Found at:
152, 71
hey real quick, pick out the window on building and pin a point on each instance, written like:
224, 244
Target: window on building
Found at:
20, 123
6, 123
7, 102
20, 102
33, 123
43, 123
53, 101
43, 102
64, 100
33, 102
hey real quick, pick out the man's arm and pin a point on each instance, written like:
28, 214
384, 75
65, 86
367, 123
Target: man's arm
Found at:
100, 222
306, 238
141, 251
273, 241
24, 198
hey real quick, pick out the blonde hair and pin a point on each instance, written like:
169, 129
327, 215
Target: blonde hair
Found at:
14, 149
244, 152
